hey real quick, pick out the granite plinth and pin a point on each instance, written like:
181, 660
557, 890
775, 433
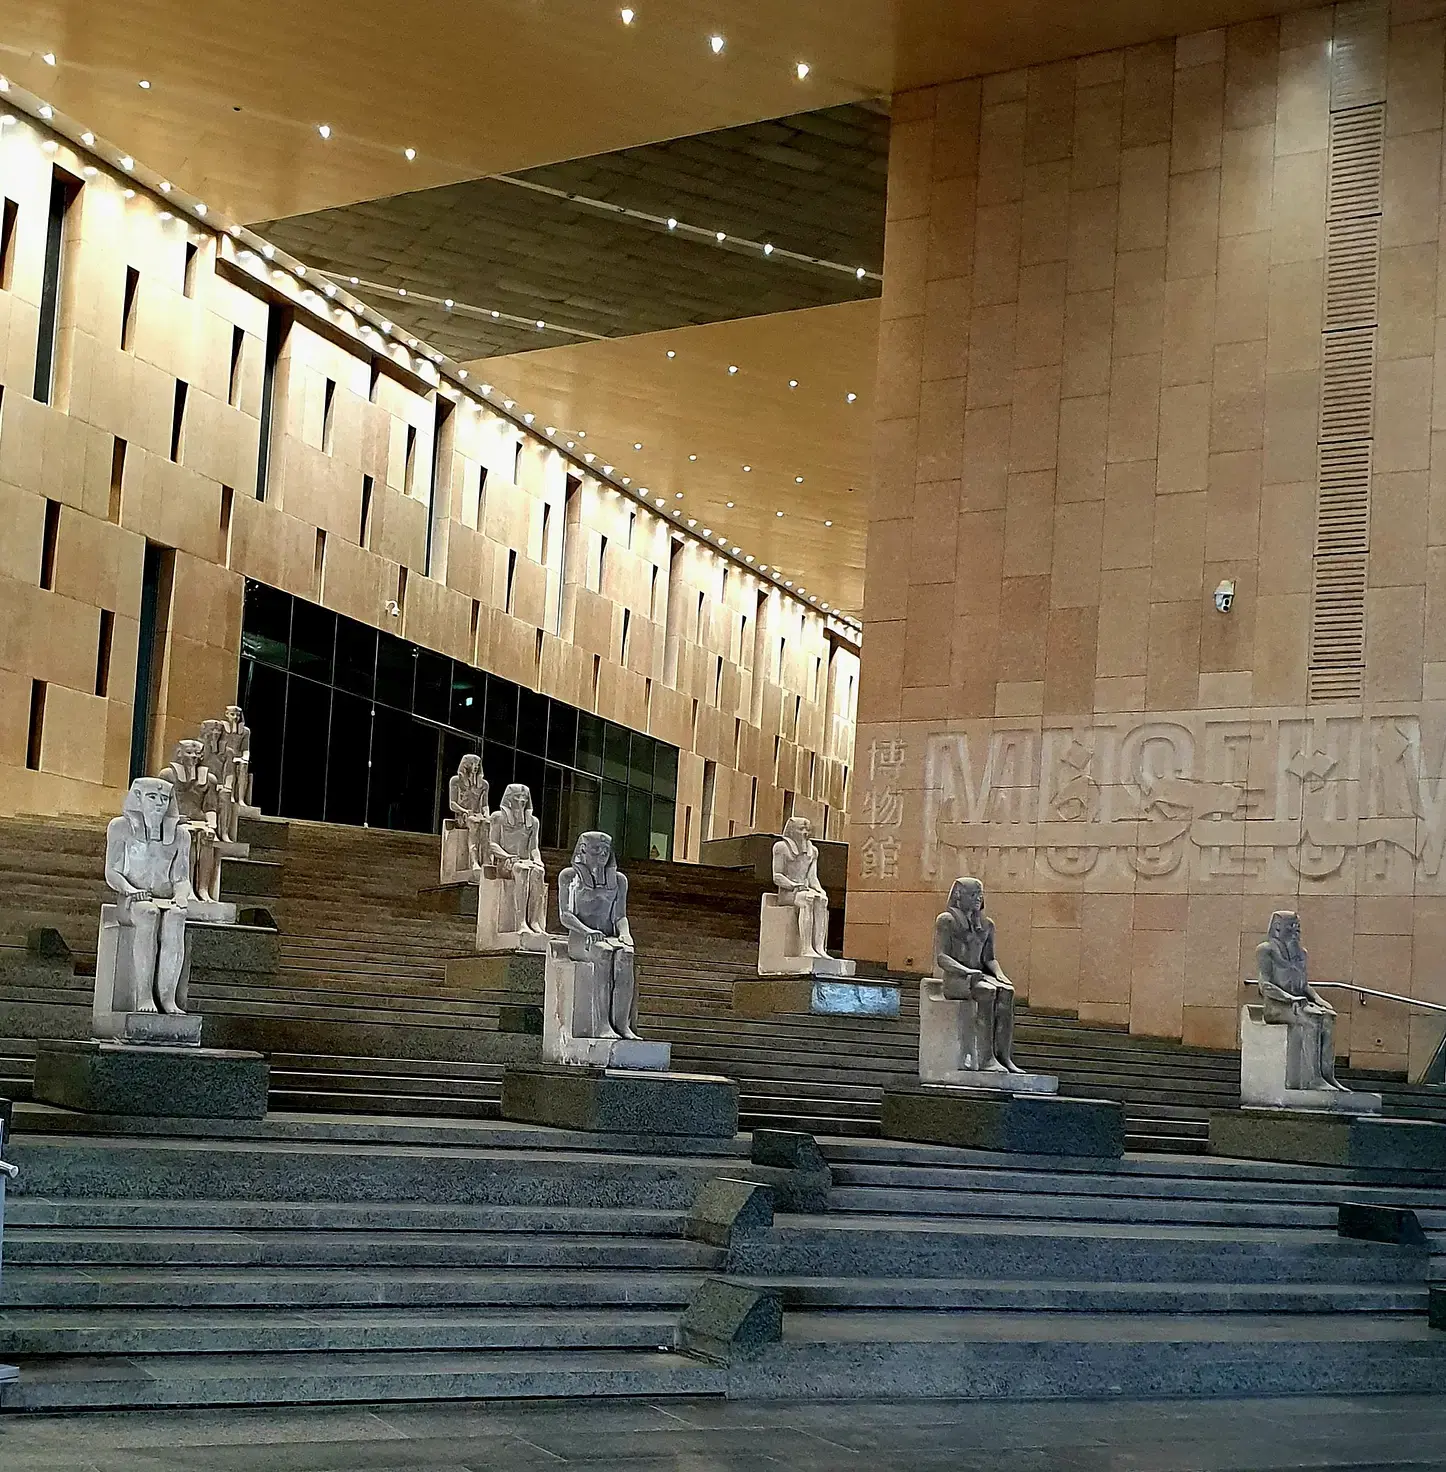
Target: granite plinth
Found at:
120, 1078
633, 1055
1001, 1080
1313, 1137
163, 1029
213, 912
251, 878
977, 1119
251, 948
769, 996
613, 1101
729, 1321
517, 973
456, 898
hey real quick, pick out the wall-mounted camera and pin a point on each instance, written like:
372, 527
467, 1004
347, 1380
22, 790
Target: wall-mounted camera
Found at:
1225, 594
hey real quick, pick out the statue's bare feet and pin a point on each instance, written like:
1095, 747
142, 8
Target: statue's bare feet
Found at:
1012, 1066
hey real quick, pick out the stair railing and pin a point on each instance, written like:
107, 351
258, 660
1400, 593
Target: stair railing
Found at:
1435, 1069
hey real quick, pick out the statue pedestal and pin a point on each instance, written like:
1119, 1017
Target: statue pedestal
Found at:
1027, 1123
117, 1078
573, 1020
496, 923
114, 1012
511, 978
778, 945
456, 865
618, 1101
1316, 1137
1264, 1068
770, 996
948, 1044
213, 912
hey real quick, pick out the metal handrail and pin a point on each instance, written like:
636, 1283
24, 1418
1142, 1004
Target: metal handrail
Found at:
9, 1170
1365, 991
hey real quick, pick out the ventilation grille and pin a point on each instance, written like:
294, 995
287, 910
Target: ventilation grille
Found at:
1348, 350
1357, 142
1343, 510
1353, 259
1348, 384
1358, 55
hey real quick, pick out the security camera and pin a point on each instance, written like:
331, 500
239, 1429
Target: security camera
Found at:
394, 608
1225, 594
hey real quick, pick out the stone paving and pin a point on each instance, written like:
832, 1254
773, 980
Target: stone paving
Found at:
1404, 1434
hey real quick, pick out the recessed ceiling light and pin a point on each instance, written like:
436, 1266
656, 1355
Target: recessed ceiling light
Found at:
127, 162
716, 42
733, 367
661, 502
551, 429
541, 324
748, 558
325, 130
145, 85
747, 468
798, 480
48, 57
860, 273
767, 250
677, 495
449, 303
707, 530
828, 523
355, 281
730, 504
671, 353
778, 513
672, 223
46, 111
87, 138
409, 154
692, 457
582, 434
401, 291
691, 522
803, 70
529, 417
165, 186
852, 397
637, 444
793, 383
201, 210
508, 403
722, 236
627, 17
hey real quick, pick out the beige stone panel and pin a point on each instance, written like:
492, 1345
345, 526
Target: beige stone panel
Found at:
1034, 425
1179, 546
1211, 1027
911, 160
1252, 60
1023, 622
1242, 288
886, 583
931, 555
1001, 152
1292, 413
1134, 409
881, 676
1088, 335
1198, 116
1234, 507
900, 364
1139, 325
46, 636
1157, 983
1120, 693
1039, 326
893, 461
1019, 698
1075, 565
1225, 689
1184, 452
1029, 524
1044, 205
72, 742
1054, 968
1049, 116
1294, 317
272, 547
985, 458
980, 562
206, 602
1282, 627
1414, 76
945, 343
991, 356
1104, 974
1129, 525
941, 430
1297, 230
1411, 189
1095, 153
1398, 536
1083, 429
1189, 330
906, 256
1303, 94
358, 583
1149, 94
23, 429
1093, 225
996, 254
911, 930
1227, 640
1194, 224
1394, 642
1144, 197
22, 514
952, 225
1403, 415
956, 128
1069, 671
927, 641
1408, 302
1237, 401
1173, 671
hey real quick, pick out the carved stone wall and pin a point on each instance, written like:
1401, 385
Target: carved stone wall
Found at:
1157, 320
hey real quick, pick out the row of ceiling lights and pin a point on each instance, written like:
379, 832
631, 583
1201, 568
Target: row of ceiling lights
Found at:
263, 249
716, 44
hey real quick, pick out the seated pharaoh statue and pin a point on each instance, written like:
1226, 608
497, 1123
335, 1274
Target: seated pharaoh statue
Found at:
142, 957
465, 836
198, 799
966, 1009
591, 1004
512, 899
1287, 1042
793, 920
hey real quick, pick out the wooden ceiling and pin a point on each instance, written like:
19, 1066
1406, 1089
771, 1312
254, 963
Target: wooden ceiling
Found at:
238, 92
627, 391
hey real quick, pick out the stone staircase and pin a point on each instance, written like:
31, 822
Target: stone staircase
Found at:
307, 1259
360, 1017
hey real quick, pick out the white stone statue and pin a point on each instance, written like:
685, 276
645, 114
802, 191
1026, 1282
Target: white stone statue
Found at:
238, 757
793, 921
591, 1003
1287, 1043
465, 836
966, 1008
512, 897
142, 960
217, 761
198, 799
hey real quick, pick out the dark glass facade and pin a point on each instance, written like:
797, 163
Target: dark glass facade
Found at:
352, 725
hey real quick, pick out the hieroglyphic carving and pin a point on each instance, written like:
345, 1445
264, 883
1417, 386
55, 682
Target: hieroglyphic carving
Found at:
1270, 799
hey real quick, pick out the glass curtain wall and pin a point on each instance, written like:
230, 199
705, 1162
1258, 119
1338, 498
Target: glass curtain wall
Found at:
352, 725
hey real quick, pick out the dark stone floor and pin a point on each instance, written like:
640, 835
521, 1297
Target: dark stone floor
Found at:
1367, 1435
